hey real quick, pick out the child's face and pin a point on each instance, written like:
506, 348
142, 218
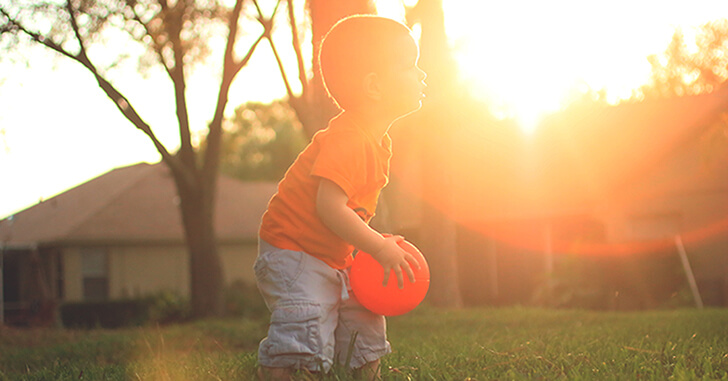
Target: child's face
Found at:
403, 83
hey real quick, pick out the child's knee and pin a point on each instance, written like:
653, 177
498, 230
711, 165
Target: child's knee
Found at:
294, 338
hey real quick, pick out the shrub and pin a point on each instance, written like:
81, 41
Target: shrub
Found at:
106, 314
162, 308
167, 307
244, 300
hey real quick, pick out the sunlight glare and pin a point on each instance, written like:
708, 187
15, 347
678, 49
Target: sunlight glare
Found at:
528, 58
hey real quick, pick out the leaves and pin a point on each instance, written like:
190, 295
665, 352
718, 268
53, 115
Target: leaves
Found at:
691, 67
261, 141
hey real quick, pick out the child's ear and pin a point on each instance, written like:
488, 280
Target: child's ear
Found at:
372, 88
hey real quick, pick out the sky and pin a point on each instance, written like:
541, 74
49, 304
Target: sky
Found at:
525, 57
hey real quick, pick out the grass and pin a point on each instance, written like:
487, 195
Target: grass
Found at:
429, 344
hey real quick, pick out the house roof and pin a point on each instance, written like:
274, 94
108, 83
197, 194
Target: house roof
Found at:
137, 203
576, 158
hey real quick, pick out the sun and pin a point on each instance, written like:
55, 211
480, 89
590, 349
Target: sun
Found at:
526, 64
528, 58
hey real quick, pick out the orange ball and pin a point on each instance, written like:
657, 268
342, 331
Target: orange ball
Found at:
367, 276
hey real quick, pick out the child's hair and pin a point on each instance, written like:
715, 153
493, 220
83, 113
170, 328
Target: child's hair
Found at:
354, 47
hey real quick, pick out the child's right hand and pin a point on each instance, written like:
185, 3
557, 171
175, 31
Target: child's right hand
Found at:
393, 257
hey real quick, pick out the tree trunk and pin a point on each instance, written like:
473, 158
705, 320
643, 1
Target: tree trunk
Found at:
315, 109
206, 275
437, 121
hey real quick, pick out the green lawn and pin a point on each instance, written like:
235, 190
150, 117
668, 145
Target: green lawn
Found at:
429, 344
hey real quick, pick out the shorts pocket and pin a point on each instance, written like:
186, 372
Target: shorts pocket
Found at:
260, 267
294, 330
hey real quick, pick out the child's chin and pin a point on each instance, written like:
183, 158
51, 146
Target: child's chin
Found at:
412, 110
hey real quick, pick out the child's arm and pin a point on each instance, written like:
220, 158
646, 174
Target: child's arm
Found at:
336, 215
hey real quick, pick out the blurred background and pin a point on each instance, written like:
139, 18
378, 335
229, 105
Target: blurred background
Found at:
569, 154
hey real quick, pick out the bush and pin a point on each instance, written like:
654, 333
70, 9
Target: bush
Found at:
244, 300
241, 300
167, 307
106, 314
162, 308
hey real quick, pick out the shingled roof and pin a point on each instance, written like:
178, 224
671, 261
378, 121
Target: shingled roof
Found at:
134, 204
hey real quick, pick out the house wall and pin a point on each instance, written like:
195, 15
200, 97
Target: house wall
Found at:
135, 271
237, 262
683, 195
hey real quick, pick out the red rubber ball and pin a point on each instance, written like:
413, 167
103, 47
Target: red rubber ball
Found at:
367, 276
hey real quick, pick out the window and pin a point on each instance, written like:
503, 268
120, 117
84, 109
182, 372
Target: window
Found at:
95, 273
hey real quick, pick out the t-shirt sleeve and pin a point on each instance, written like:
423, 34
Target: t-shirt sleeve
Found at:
342, 159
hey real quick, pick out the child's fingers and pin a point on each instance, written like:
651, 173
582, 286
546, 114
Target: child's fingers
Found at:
400, 278
412, 259
398, 273
386, 277
410, 273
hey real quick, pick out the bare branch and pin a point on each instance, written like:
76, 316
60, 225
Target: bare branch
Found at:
289, 91
38, 38
231, 68
121, 102
76, 31
267, 24
297, 48
244, 61
174, 30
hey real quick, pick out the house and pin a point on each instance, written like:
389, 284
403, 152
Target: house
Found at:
120, 236
613, 193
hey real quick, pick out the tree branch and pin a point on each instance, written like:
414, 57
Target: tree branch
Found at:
267, 32
289, 91
230, 70
120, 101
297, 49
174, 30
156, 45
76, 31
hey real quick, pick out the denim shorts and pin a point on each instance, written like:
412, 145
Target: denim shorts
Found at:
314, 314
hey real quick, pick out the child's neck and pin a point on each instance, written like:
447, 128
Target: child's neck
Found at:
377, 125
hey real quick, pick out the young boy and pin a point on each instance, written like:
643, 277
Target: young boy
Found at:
324, 203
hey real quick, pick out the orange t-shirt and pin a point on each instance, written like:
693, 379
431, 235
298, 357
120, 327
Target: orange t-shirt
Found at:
350, 157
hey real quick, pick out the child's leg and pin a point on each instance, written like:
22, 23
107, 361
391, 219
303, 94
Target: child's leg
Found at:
301, 293
369, 332
369, 371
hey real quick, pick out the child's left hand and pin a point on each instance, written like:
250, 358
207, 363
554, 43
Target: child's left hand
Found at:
393, 257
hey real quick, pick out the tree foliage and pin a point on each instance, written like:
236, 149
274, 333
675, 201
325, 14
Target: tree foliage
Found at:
261, 141
691, 67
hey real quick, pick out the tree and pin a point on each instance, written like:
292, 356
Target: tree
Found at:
685, 70
313, 106
435, 125
690, 70
175, 36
